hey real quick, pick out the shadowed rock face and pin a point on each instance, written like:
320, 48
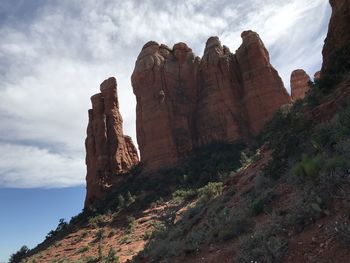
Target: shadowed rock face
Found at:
299, 84
338, 32
184, 101
109, 153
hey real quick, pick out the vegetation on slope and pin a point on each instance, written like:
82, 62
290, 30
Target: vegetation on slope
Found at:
227, 195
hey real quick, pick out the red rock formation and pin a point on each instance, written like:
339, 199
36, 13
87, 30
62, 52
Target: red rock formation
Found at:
218, 114
164, 82
108, 152
299, 84
317, 75
184, 102
338, 32
264, 91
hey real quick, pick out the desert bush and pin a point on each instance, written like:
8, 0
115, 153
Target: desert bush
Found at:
91, 259
233, 225
126, 239
98, 221
83, 249
111, 257
99, 235
308, 167
131, 222
309, 207
182, 195
111, 233
260, 203
61, 229
19, 255
264, 245
210, 191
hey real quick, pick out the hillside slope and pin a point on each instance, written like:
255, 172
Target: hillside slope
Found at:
283, 198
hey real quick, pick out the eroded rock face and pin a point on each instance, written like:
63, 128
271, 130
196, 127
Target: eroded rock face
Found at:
217, 113
299, 84
184, 101
165, 84
263, 88
338, 32
109, 153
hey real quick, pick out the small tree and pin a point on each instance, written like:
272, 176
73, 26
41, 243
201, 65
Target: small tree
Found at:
19, 255
121, 202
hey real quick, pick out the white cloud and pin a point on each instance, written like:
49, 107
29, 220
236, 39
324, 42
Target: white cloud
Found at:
27, 166
51, 64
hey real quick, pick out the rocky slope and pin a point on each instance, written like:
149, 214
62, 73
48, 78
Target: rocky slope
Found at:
109, 153
184, 102
284, 199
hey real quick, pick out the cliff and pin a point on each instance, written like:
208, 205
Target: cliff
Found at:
338, 32
109, 153
184, 102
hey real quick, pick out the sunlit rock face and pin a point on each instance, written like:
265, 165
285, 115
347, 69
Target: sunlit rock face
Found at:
185, 101
299, 84
109, 153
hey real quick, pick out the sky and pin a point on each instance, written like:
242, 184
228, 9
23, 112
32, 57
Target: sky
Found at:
55, 53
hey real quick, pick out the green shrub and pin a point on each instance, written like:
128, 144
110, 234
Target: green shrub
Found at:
182, 195
98, 221
158, 230
126, 239
111, 233
130, 198
131, 222
233, 226
91, 259
285, 134
121, 202
111, 257
100, 234
262, 246
100, 251
158, 202
210, 191
19, 255
308, 167
83, 249
260, 203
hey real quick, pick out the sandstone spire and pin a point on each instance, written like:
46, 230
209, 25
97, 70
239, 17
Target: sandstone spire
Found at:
299, 84
109, 153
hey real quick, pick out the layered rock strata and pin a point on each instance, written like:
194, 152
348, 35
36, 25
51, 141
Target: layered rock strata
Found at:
109, 153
